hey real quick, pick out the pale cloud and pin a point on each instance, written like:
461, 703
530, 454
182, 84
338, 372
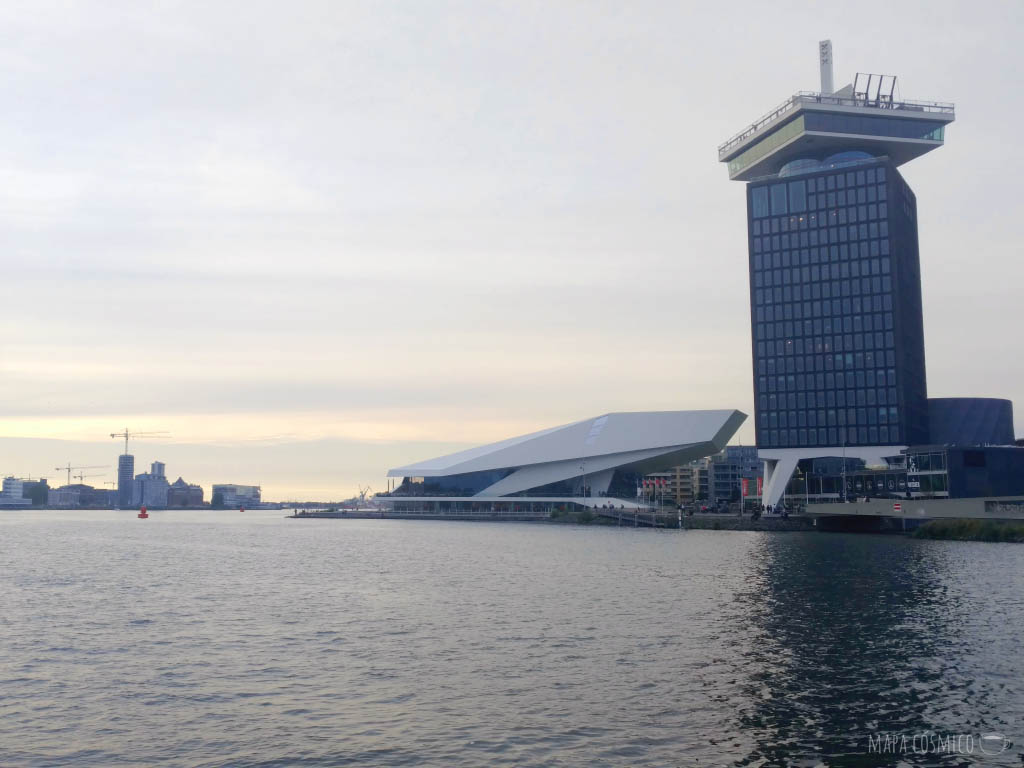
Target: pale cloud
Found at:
472, 425
387, 224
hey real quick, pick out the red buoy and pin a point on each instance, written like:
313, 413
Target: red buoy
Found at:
241, 509
143, 514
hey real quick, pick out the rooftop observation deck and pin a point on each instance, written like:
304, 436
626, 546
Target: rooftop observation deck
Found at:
902, 130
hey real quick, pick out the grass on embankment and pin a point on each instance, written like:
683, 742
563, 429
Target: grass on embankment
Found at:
971, 530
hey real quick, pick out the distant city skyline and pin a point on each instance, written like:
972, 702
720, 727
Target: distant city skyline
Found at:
313, 245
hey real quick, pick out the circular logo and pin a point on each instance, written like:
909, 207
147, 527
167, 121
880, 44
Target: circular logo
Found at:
993, 743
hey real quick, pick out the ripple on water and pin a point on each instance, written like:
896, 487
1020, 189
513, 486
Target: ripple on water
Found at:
268, 642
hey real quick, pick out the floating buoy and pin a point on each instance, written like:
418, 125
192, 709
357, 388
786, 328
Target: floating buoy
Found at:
241, 509
143, 514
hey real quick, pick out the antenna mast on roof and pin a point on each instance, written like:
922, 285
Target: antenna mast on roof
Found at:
825, 59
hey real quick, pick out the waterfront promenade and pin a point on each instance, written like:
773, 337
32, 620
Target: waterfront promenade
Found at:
878, 510
635, 517
984, 508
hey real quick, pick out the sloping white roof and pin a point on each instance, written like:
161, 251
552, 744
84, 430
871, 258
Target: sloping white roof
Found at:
603, 436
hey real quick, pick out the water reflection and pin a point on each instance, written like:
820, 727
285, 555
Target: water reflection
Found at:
856, 637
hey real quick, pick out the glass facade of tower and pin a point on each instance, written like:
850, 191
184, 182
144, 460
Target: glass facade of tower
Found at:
835, 295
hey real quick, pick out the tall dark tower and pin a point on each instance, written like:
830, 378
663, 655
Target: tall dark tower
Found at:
835, 278
125, 478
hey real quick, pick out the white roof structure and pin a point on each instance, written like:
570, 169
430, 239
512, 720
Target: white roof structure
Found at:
594, 448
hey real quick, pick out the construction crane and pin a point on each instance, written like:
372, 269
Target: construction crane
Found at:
82, 477
126, 434
68, 469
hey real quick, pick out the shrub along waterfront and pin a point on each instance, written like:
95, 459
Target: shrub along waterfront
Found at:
971, 530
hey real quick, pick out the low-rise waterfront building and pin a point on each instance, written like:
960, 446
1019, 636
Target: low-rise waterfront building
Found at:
182, 494
65, 497
231, 496
13, 494
81, 495
36, 491
963, 472
923, 471
12, 487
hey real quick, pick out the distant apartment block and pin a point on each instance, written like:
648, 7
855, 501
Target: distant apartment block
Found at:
727, 471
715, 478
680, 483
150, 488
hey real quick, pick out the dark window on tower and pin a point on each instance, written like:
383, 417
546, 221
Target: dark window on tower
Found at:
759, 199
778, 198
797, 196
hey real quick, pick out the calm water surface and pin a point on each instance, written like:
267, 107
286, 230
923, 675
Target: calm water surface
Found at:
243, 639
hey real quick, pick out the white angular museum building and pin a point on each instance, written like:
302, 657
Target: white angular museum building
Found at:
588, 463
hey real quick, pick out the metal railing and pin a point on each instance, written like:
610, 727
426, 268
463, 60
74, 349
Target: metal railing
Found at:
812, 97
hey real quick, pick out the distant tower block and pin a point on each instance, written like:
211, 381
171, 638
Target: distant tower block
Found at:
835, 278
125, 479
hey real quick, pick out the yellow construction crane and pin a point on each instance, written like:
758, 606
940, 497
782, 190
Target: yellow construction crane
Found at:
82, 477
68, 469
126, 434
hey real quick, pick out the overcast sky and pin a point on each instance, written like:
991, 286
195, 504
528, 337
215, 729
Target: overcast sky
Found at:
313, 240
